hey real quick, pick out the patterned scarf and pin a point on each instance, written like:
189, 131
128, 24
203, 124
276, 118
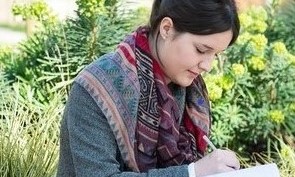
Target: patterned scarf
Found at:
152, 127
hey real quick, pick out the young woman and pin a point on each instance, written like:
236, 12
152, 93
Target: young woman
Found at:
143, 109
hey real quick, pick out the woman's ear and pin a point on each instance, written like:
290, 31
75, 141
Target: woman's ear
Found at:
166, 28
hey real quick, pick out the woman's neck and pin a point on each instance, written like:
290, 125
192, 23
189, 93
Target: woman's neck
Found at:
153, 46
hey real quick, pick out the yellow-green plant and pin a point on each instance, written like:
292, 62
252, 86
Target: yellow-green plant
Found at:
286, 162
29, 132
252, 88
50, 59
283, 155
282, 23
36, 10
91, 7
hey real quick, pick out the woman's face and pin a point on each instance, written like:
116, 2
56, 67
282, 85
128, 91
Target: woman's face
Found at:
184, 56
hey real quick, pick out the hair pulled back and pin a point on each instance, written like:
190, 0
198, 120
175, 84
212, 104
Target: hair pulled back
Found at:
201, 17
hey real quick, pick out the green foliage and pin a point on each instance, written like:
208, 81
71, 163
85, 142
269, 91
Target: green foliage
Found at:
140, 17
37, 10
5, 54
282, 23
283, 155
25, 62
51, 58
91, 8
5, 91
28, 132
92, 37
35, 76
286, 156
252, 88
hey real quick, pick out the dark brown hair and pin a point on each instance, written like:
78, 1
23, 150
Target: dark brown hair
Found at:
200, 17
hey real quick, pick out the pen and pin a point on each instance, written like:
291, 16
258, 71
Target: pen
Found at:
213, 147
209, 142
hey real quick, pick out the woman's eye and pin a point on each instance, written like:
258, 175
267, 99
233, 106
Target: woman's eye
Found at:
201, 52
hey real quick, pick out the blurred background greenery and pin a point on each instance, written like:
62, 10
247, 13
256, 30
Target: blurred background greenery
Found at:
251, 86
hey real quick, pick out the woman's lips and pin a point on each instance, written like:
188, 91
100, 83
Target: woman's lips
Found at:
193, 73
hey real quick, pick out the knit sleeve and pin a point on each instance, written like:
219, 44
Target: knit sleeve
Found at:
88, 147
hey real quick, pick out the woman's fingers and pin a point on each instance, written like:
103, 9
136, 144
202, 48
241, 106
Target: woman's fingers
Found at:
217, 161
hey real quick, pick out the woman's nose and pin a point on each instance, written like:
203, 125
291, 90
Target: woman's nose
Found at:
206, 64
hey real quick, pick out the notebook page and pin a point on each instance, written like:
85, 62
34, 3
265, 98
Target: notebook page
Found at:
268, 170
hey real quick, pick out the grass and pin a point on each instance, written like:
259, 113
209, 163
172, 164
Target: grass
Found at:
28, 135
286, 162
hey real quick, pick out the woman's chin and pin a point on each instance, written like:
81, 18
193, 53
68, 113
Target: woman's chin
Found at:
184, 82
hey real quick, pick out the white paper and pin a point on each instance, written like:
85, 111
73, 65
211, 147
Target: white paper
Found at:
268, 170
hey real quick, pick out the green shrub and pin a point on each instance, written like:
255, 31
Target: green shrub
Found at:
252, 89
50, 58
282, 23
28, 132
283, 155
139, 17
36, 74
286, 159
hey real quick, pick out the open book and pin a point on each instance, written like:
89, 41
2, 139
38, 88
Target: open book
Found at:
268, 170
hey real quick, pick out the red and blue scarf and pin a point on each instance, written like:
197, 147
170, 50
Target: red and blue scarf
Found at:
153, 127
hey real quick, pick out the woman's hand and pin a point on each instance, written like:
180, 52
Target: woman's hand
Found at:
217, 161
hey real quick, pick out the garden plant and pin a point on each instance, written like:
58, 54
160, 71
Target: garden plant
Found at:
251, 86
